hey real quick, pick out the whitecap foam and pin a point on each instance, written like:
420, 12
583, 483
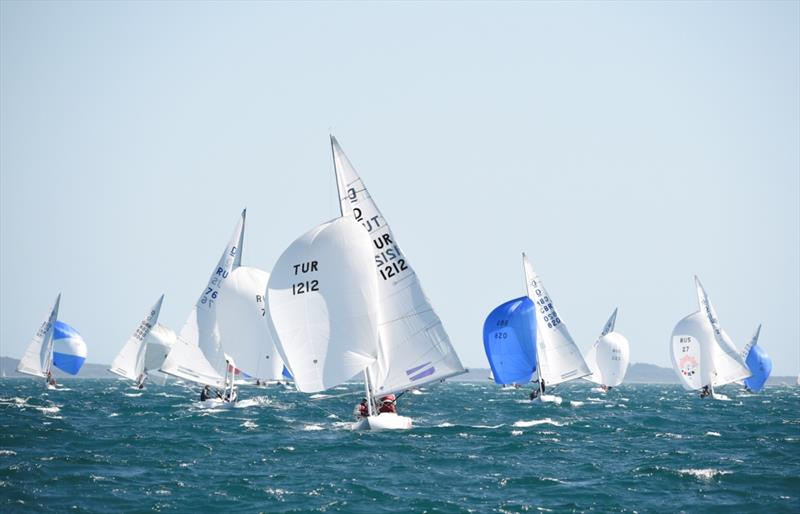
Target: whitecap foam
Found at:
535, 422
7, 453
516, 432
249, 424
444, 425
574, 403
312, 428
714, 434
703, 474
490, 427
133, 395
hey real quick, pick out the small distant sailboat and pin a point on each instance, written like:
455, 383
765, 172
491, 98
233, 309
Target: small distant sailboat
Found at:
413, 346
758, 362
197, 356
509, 339
609, 357
54, 344
703, 355
144, 352
558, 358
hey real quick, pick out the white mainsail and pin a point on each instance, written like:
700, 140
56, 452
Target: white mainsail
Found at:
727, 365
130, 361
38, 357
322, 299
197, 355
609, 356
240, 314
558, 358
413, 347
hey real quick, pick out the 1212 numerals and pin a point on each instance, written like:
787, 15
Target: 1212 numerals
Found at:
393, 269
305, 287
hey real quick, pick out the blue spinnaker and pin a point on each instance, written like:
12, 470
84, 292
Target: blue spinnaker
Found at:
760, 365
286, 373
509, 338
69, 348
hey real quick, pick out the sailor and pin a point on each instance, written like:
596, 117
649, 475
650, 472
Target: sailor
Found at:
388, 404
140, 382
50, 380
534, 394
705, 392
605, 388
205, 394
362, 409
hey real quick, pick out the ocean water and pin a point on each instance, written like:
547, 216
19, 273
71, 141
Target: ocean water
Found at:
100, 446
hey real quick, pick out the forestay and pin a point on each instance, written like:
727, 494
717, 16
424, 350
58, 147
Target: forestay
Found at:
130, 361
728, 365
609, 357
240, 314
322, 300
558, 357
197, 355
38, 355
509, 339
414, 348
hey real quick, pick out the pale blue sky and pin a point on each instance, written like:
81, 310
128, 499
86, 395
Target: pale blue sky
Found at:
624, 147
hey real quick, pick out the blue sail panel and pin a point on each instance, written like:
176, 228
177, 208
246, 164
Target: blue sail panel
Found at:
509, 338
69, 348
760, 366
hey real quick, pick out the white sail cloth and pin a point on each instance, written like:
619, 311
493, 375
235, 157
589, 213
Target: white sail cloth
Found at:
609, 356
558, 358
322, 300
198, 355
38, 357
241, 318
413, 347
130, 361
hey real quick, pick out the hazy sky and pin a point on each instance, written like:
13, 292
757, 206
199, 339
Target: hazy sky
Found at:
624, 146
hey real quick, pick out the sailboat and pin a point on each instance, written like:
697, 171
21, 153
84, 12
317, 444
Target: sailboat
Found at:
758, 362
609, 357
197, 355
54, 344
413, 346
557, 356
703, 356
144, 352
509, 339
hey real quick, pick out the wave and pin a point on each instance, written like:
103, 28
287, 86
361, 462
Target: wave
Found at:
536, 422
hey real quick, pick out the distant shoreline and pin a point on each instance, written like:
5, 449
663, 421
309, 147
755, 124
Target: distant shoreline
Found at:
638, 373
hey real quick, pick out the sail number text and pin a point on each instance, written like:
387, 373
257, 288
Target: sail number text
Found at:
306, 286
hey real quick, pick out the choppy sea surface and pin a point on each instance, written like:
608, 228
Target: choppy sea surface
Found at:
100, 446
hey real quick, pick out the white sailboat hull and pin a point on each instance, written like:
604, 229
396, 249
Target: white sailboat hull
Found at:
383, 421
548, 398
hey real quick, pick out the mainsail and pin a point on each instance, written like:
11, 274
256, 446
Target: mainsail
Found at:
609, 357
197, 355
130, 361
558, 357
38, 357
509, 339
413, 347
728, 365
322, 299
